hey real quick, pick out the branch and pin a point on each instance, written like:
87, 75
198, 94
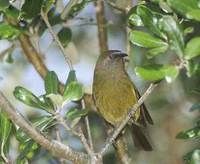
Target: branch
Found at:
133, 110
101, 23
112, 4
55, 37
32, 55
54, 147
67, 9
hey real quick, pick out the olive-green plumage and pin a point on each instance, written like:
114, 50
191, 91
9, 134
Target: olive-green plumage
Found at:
114, 93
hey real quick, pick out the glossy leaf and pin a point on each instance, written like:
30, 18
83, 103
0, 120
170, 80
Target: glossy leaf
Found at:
57, 99
146, 40
155, 72
73, 92
9, 32
31, 8
192, 48
194, 14
6, 126
149, 20
185, 8
135, 20
51, 83
65, 36
71, 77
4, 4
175, 35
28, 98
75, 113
190, 133
156, 51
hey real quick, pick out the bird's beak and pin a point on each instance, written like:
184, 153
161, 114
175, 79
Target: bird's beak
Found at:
117, 53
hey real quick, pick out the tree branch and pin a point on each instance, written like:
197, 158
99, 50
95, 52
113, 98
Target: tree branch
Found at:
133, 110
55, 37
101, 23
54, 147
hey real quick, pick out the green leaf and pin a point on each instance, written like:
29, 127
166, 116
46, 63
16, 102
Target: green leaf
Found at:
155, 72
28, 98
195, 107
146, 40
190, 133
27, 150
65, 36
47, 5
188, 30
149, 20
4, 4
51, 83
71, 77
6, 126
57, 99
135, 20
192, 48
192, 67
156, 51
74, 8
31, 8
174, 33
75, 113
73, 92
185, 8
194, 14
9, 32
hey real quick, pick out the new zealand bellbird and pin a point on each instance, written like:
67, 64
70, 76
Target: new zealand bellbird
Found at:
114, 94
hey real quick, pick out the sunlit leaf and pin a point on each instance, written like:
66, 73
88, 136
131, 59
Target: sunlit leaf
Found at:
175, 35
51, 83
155, 72
192, 67
146, 40
57, 99
28, 98
75, 113
186, 8
6, 126
190, 133
156, 51
9, 32
71, 77
65, 36
149, 20
192, 157
192, 48
73, 92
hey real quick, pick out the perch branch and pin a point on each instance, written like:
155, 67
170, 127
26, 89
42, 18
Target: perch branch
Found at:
54, 147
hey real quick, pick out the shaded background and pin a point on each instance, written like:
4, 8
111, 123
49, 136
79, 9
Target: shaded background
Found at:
169, 104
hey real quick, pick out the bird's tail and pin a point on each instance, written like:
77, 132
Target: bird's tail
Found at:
140, 139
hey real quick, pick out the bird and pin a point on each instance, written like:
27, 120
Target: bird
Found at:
114, 94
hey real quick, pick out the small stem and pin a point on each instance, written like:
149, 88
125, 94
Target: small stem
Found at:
133, 110
67, 8
55, 37
88, 127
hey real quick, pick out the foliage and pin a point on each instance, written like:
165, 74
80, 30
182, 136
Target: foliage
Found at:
160, 27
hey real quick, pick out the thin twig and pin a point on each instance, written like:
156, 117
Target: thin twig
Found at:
55, 147
101, 24
112, 4
133, 110
78, 133
67, 9
88, 127
55, 37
